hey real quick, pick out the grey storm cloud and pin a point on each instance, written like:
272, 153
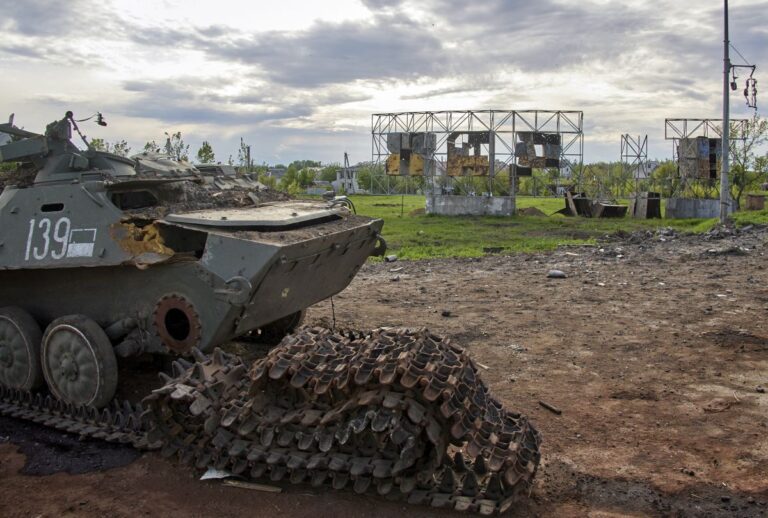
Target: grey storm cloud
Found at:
172, 102
57, 19
39, 17
48, 30
548, 35
201, 91
389, 47
459, 39
23, 50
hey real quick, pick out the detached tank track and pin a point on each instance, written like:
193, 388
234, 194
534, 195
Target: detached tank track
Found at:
119, 423
397, 411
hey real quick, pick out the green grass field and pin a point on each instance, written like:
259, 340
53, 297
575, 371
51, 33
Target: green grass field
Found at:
411, 234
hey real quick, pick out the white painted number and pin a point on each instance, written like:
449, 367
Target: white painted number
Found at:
61, 236
45, 226
67, 242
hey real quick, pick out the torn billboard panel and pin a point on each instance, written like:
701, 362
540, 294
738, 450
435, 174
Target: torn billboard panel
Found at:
409, 152
465, 153
699, 157
538, 150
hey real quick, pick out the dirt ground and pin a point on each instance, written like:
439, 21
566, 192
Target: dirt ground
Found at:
654, 347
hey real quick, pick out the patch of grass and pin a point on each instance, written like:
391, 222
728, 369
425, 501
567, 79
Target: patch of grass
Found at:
546, 205
411, 234
750, 217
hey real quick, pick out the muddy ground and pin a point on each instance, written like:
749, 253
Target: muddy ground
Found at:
655, 349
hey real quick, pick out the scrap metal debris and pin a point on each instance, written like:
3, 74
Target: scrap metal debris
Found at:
395, 410
551, 408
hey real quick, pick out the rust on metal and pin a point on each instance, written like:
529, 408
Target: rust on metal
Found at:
137, 240
461, 165
177, 323
398, 165
392, 410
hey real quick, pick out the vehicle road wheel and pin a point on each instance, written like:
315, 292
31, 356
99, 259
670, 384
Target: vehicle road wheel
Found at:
19, 350
275, 331
79, 363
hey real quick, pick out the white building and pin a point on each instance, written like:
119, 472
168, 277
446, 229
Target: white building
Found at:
346, 181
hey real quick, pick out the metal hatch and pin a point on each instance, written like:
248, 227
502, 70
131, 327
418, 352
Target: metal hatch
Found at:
284, 214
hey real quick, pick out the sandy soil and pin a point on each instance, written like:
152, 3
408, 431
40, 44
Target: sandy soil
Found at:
654, 348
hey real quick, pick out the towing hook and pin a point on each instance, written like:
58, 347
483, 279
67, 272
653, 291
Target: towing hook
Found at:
381, 246
237, 292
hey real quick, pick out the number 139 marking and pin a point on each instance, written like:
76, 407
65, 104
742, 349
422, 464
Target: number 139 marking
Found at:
60, 237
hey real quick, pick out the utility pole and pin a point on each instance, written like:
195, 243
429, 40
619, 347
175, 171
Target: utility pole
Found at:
725, 151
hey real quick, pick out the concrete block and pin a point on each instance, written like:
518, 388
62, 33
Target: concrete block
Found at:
471, 205
683, 208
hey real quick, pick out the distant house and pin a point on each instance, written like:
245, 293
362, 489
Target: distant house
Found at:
566, 170
346, 180
645, 170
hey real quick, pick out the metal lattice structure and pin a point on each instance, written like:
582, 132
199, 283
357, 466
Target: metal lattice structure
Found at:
634, 156
696, 149
675, 129
498, 135
634, 161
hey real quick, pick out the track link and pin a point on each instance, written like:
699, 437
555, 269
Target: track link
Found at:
119, 423
394, 410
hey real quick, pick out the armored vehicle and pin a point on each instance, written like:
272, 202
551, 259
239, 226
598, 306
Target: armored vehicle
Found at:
114, 257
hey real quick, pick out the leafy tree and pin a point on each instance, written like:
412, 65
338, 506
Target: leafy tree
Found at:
98, 144
306, 177
205, 153
151, 147
269, 181
302, 164
260, 169
501, 185
664, 178
244, 156
747, 168
289, 178
602, 180
175, 146
295, 180
292, 187
328, 173
540, 183
366, 173
119, 147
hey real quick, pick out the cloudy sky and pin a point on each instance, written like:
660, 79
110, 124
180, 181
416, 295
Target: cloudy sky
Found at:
300, 79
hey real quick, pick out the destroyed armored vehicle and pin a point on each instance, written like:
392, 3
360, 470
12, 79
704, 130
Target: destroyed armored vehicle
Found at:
216, 176
115, 257
104, 256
